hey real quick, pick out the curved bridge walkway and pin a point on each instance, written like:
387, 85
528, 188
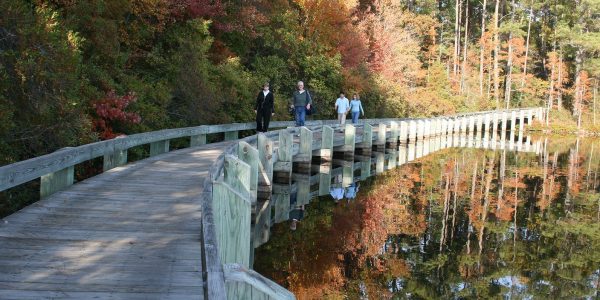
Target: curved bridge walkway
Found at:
143, 230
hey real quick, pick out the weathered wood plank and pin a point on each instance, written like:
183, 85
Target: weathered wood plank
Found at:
159, 147
57, 181
248, 154
232, 224
238, 273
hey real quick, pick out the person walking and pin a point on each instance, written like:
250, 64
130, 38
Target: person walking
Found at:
301, 101
356, 108
264, 108
342, 106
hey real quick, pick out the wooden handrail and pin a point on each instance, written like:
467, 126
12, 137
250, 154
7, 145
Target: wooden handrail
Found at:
21, 172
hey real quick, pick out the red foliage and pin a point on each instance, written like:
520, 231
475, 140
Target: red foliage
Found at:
111, 110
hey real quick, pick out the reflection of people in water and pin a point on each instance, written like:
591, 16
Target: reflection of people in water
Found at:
337, 193
352, 190
297, 213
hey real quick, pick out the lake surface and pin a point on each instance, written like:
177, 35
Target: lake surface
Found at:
456, 223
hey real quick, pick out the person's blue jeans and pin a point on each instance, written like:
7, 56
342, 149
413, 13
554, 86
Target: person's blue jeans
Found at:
300, 115
355, 117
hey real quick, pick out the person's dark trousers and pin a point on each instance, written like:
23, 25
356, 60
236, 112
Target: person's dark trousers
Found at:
262, 121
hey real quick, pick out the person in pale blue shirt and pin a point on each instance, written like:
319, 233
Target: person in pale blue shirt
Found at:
342, 106
356, 108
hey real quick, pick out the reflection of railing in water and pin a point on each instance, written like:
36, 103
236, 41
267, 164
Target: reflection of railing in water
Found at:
321, 175
408, 140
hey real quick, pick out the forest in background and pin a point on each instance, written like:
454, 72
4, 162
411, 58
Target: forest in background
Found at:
73, 72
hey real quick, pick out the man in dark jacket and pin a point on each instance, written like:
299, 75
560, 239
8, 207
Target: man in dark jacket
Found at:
264, 108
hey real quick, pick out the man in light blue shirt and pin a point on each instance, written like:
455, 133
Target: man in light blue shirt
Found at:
342, 106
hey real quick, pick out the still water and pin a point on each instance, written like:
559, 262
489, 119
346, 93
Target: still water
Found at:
457, 223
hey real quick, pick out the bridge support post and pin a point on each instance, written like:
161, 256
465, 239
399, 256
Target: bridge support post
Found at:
56, 181
265, 154
449, 126
463, 124
159, 147
420, 129
513, 124
197, 140
403, 132
456, 122
349, 142
232, 211
231, 135
472, 124
304, 157
114, 159
282, 168
392, 141
249, 155
427, 128
379, 144
412, 131
366, 145
521, 122
326, 151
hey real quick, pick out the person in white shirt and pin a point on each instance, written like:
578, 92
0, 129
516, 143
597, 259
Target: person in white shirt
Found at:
342, 106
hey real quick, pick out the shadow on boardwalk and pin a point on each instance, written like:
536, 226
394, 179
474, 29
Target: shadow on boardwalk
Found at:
133, 232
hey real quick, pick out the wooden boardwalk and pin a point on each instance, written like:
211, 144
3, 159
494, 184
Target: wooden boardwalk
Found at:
149, 230
130, 233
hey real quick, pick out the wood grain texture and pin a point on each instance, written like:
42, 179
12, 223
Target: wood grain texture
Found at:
133, 232
232, 224
236, 273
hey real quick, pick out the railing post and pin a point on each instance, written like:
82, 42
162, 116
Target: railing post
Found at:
381, 136
403, 132
420, 129
427, 128
249, 155
159, 147
305, 151
197, 140
349, 141
282, 168
456, 122
367, 139
265, 153
394, 132
116, 158
449, 125
521, 122
326, 151
463, 124
56, 181
231, 135
232, 210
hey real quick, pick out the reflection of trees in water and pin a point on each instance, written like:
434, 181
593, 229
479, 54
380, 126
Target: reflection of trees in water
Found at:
464, 223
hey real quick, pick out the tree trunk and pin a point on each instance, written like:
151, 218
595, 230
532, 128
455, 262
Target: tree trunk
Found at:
577, 107
551, 87
464, 63
509, 61
594, 99
527, 45
559, 82
496, 54
482, 47
456, 37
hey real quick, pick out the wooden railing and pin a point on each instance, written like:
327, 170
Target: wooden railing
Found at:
237, 175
